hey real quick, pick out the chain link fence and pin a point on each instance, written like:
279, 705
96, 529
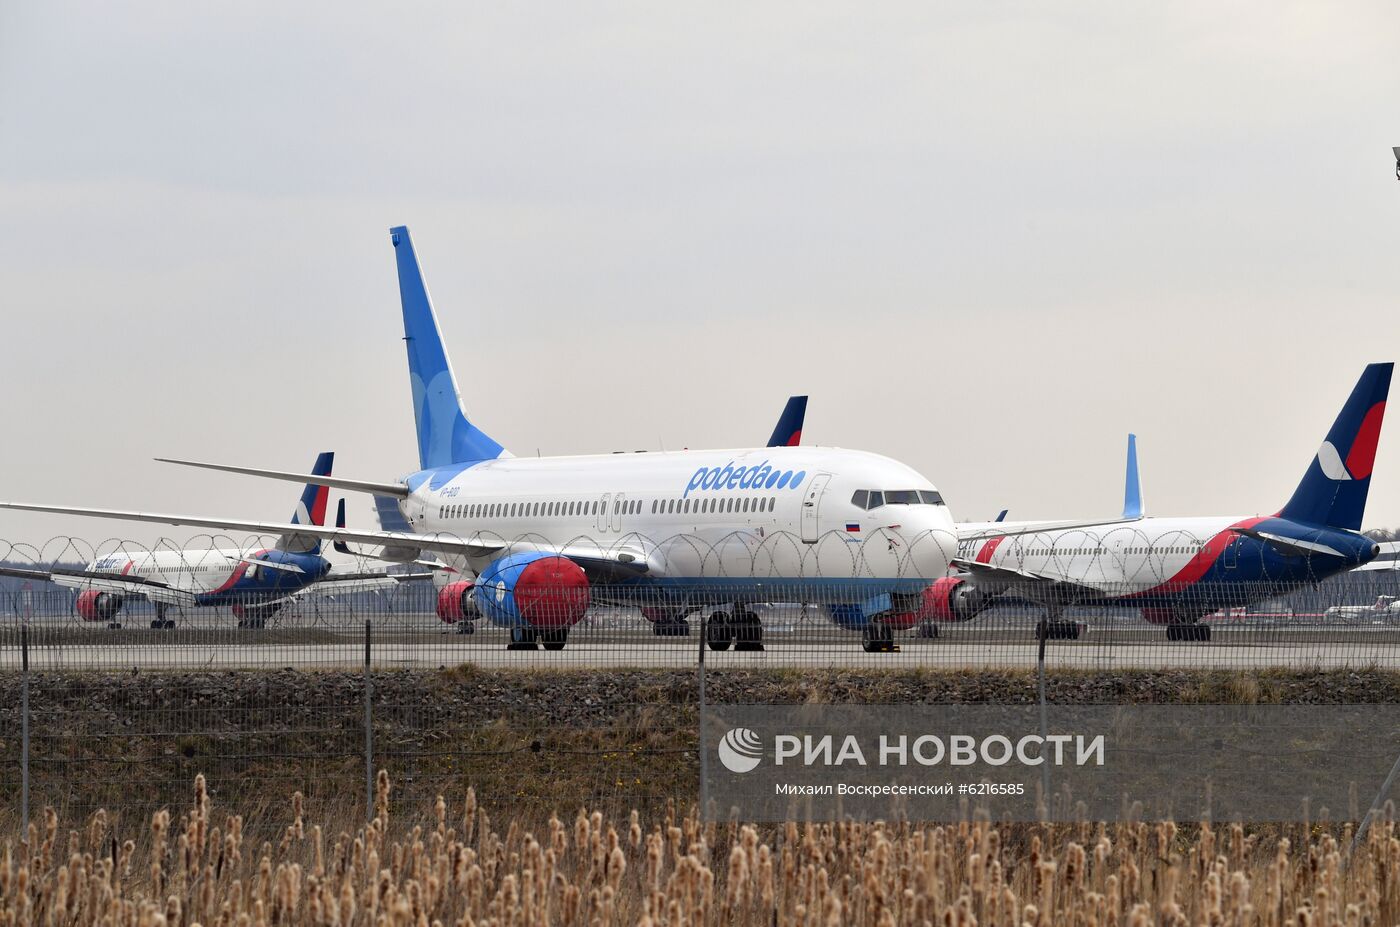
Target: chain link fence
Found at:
121, 709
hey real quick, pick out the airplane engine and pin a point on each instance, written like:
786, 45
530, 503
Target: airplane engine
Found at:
952, 599
94, 605
533, 589
455, 602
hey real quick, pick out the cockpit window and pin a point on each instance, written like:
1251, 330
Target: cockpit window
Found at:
874, 498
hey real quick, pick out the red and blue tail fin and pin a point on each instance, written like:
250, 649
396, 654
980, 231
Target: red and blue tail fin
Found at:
311, 508
789, 430
1333, 491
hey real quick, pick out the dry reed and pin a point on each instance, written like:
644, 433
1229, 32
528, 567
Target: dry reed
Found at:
459, 867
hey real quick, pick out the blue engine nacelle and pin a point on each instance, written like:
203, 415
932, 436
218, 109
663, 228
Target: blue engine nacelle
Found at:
532, 589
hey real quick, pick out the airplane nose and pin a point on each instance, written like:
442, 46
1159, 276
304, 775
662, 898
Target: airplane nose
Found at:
932, 550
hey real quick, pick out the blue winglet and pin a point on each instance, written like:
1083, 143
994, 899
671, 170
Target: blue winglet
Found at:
1132, 484
445, 435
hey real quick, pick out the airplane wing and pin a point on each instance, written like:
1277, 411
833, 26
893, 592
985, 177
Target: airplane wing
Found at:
612, 563
1024, 583
446, 543
985, 531
341, 584
151, 589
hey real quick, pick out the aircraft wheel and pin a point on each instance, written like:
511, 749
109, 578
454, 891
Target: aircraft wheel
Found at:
928, 631
466, 627
718, 634
748, 632
555, 639
114, 626
1058, 630
1188, 632
877, 638
523, 639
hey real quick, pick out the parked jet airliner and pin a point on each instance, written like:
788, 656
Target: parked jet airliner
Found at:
685, 528
254, 581
1178, 570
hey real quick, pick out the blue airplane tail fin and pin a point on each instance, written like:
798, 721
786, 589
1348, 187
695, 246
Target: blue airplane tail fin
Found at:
1333, 491
1132, 483
789, 430
445, 434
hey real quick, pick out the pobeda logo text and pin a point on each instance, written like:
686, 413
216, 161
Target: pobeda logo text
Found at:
934, 750
729, 476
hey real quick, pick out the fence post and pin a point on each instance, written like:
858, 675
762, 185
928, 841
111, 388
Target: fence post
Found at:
1042, 631
700, 720
369, 733
24, 727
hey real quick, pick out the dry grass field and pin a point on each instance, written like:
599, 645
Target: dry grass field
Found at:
453, 863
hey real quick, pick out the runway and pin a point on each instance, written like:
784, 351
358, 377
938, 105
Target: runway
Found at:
421, 642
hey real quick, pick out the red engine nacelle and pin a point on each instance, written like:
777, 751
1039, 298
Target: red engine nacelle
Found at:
952, 599
552, 592
95, 605
454, 602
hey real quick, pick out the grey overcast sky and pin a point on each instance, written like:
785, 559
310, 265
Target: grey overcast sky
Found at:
989, 239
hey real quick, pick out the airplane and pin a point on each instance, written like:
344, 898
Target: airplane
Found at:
542, 537
254, 581
664, 621
1176, 571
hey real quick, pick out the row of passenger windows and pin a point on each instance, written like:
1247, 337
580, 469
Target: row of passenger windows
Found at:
1081, 551
706, 506
590, 509
874, 498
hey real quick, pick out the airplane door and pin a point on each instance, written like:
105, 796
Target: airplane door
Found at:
619, 506
603, 504
1232, 554
811, 507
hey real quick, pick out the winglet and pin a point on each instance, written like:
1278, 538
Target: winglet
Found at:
1132, 484
788, 433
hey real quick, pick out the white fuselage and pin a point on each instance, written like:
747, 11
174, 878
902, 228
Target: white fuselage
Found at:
698, 514
1119, 559
192, 570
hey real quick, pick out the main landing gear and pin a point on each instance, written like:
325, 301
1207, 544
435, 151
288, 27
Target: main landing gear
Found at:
1055, 628
671, 624
742, 629
160, 622
254, 618
1188, 632
876, 637
928, 631
531, 638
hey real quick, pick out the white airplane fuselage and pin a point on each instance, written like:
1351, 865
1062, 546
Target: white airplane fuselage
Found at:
740, 520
